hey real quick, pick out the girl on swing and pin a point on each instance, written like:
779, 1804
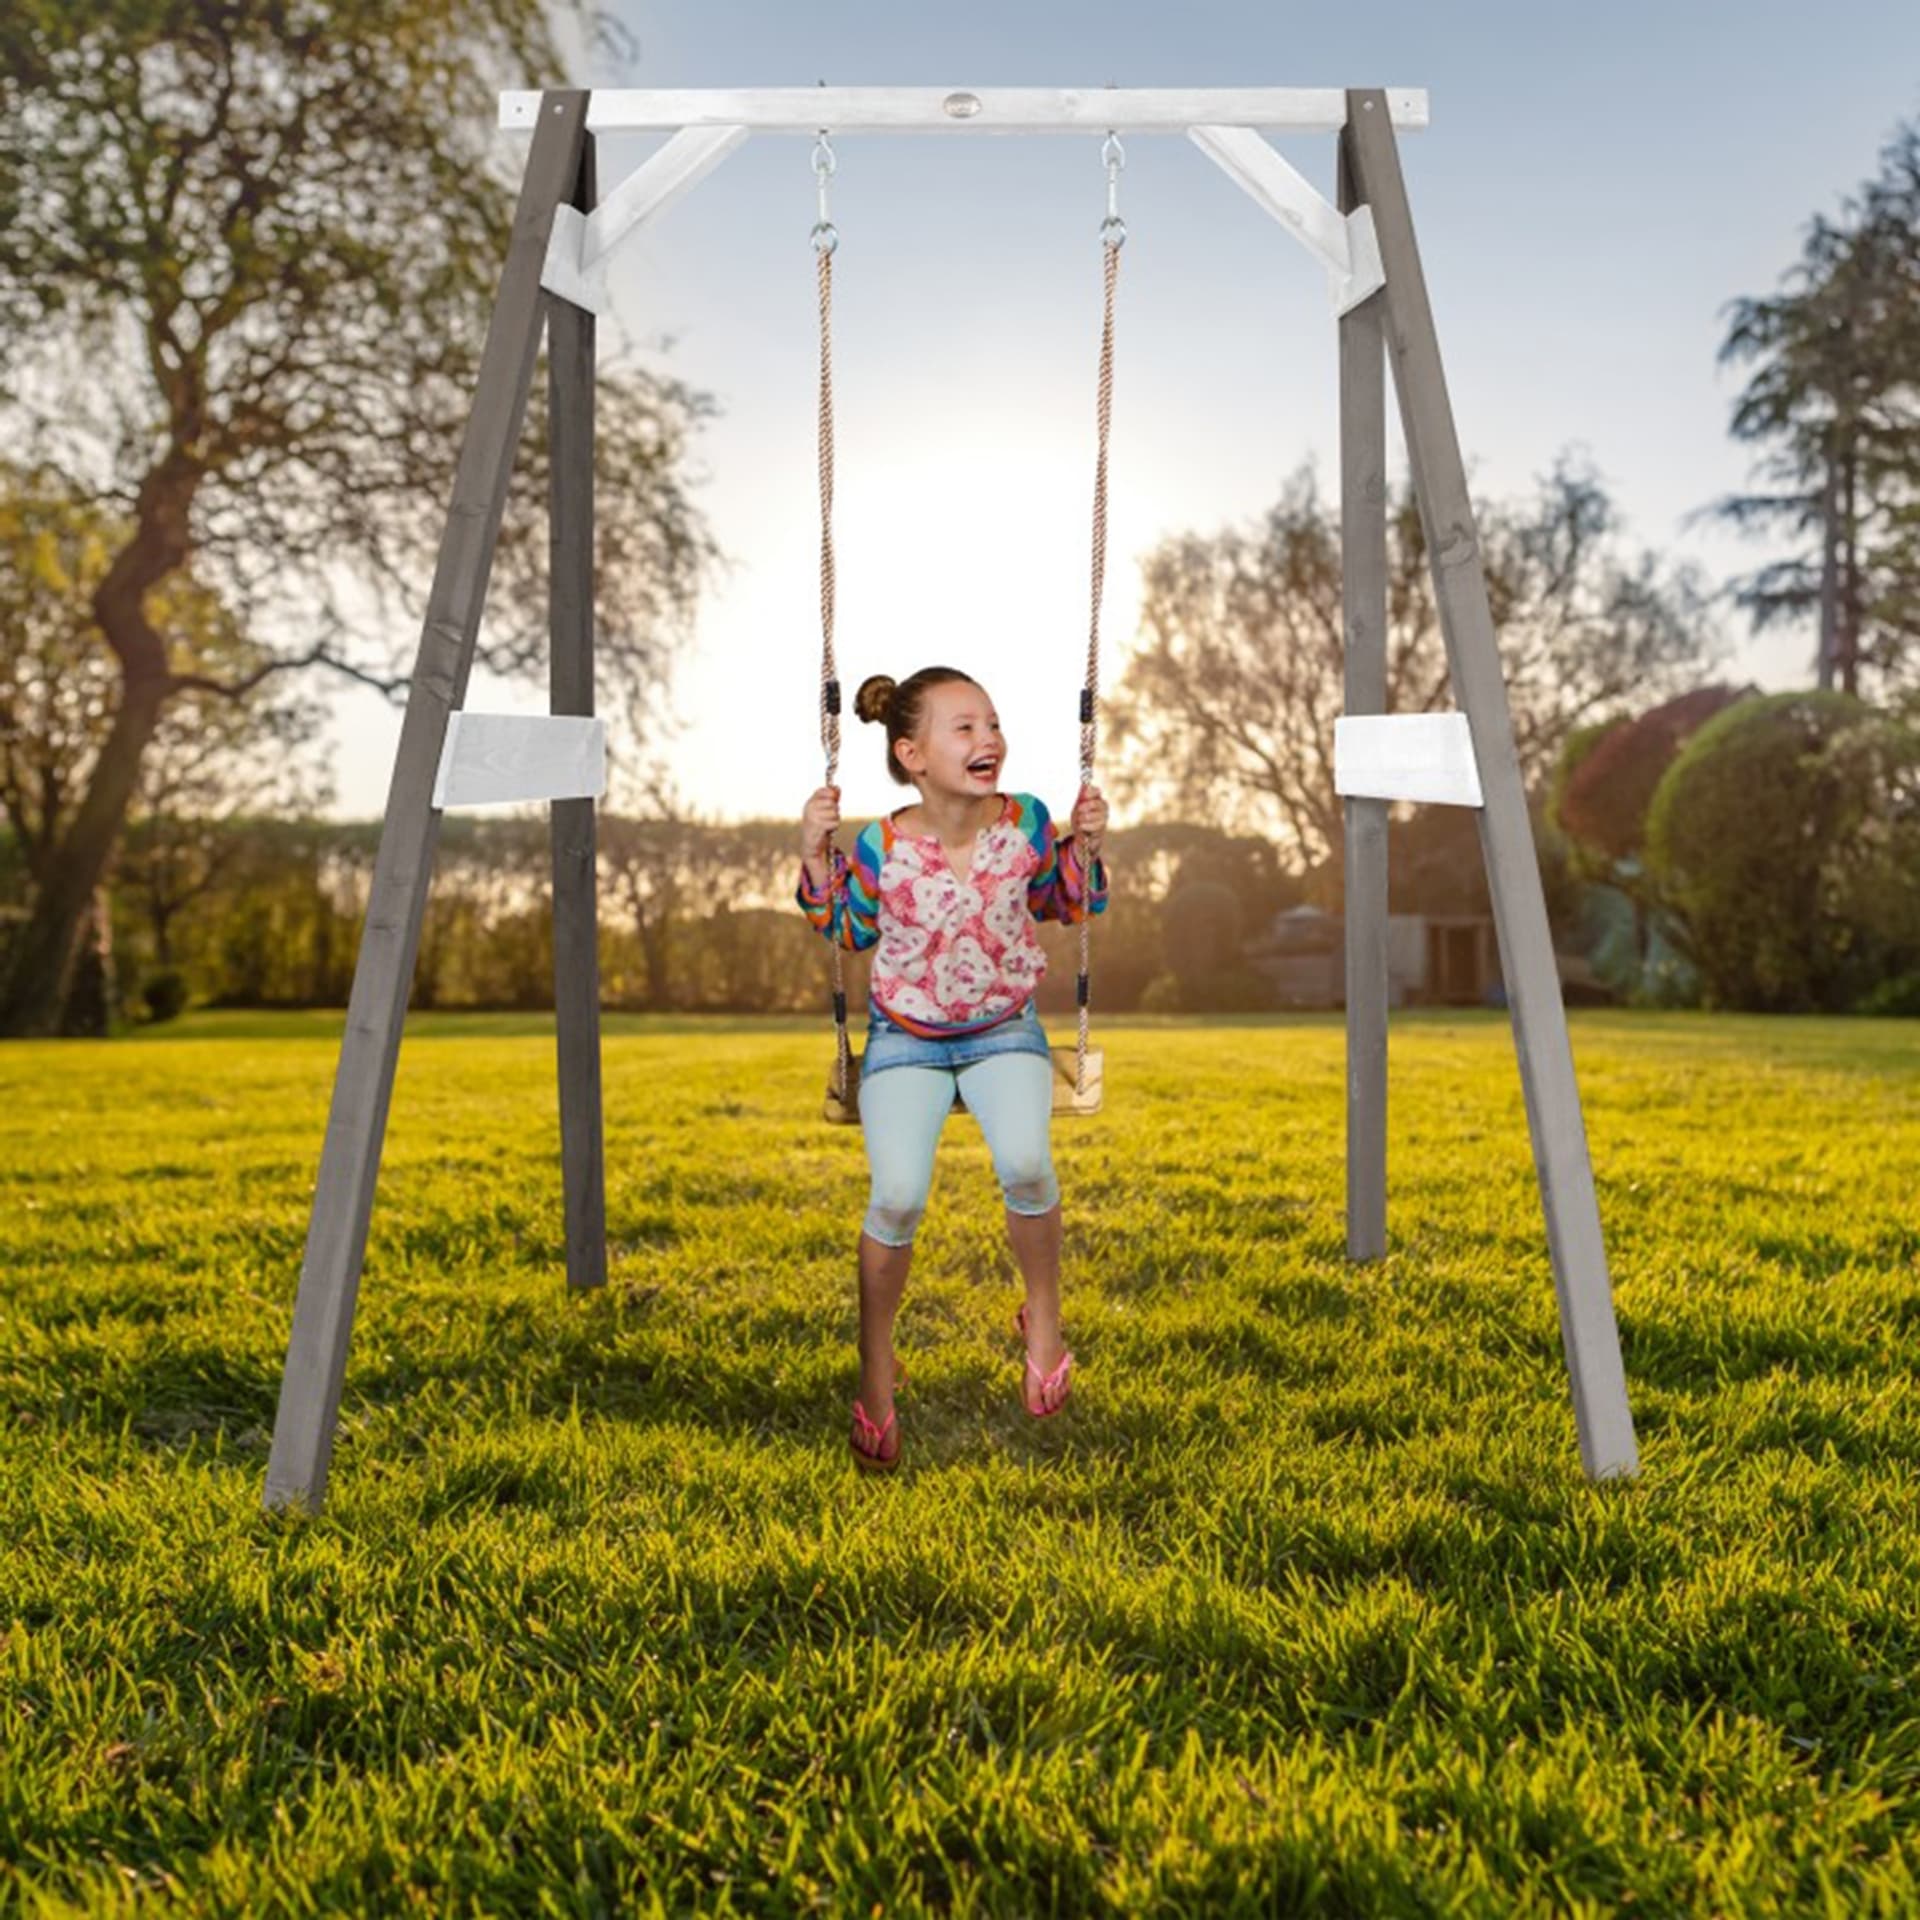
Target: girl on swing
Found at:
948, 891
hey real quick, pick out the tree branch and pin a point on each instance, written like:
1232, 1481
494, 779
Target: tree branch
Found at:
319, 656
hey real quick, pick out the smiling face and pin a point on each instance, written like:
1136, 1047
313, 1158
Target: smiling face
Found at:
958, 747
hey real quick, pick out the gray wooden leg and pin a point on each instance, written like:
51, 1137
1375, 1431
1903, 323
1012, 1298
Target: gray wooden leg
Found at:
576, 962
383, 973
1363, 564
1588, 1330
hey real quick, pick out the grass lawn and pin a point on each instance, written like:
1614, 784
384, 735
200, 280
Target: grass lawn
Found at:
1302, 1605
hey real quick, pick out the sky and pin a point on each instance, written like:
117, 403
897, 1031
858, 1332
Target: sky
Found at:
1596, 184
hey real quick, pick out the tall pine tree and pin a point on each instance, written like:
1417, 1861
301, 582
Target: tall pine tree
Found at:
1833, 406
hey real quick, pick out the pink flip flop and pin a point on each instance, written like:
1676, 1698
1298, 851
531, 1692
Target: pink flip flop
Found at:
866, 1440
1059, 1374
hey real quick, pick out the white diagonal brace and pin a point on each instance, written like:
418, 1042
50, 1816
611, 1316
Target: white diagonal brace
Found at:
580, 247
1343, 243
683, 162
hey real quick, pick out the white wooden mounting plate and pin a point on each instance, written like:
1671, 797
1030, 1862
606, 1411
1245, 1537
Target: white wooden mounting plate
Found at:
490, 757
1406, 756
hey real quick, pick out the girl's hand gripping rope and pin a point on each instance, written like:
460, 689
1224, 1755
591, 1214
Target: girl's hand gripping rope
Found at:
818, 824
1090, 822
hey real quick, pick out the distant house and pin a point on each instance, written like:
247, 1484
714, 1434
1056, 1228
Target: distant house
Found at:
1300, 956
1433, 960
1450, 960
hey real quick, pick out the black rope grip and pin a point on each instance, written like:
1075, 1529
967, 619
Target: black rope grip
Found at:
833, 696
840, 1008
1086, 706
1082, 990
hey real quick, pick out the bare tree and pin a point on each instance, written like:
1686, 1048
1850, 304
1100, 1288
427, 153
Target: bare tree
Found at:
211, 763
1225, 711
211, 758
247, 257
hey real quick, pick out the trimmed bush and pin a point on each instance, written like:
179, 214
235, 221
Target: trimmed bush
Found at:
1202, 924
1161, 994
1786, 836
165, 994
1899, 997
1608, 775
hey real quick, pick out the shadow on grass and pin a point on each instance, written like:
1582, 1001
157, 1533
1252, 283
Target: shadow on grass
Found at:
647, 1355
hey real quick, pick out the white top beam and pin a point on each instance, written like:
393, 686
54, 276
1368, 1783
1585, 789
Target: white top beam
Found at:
969, 110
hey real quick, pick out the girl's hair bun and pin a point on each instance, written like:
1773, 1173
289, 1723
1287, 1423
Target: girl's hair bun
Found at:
875, 696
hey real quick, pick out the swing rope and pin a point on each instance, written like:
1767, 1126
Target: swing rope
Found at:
1113, 235
825, 239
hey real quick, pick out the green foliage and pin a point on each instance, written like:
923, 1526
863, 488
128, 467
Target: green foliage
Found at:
1161, 994
1574, 751
248, 261
59, 686
1899, 996
694, 916
1787, 838
1202, 927
1602, 792
165, 994
1302, 1606
300, 215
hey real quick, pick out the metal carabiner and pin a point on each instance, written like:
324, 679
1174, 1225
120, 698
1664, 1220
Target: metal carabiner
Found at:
1113, 230
825, 236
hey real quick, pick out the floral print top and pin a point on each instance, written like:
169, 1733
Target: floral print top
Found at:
954, 955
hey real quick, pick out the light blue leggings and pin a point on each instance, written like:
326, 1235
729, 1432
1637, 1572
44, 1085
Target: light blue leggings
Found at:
903, 1109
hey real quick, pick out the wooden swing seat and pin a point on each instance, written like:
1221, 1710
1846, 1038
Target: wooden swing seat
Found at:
1067, 1098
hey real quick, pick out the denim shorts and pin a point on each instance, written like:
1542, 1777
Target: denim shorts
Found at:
890, 1045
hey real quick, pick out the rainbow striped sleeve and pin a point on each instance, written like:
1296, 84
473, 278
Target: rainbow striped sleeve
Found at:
849, 910
1058, 888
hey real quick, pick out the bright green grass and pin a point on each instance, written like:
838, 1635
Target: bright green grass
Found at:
1301, 1606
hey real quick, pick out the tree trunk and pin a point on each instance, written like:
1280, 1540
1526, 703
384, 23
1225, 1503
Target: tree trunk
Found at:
1829, 642
655, 931
1849, 623
160, 912
37, 982
320, 952
92, 999
42, 964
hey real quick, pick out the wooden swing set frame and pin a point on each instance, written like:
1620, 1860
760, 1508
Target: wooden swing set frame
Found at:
554, 282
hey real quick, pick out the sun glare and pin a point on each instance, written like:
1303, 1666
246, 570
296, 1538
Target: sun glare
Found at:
972, 552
